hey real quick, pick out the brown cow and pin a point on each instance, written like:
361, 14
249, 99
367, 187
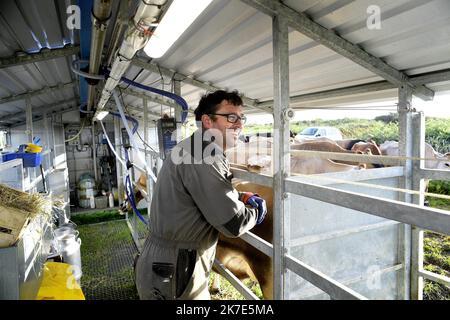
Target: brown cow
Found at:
346, 144
331, 146
242, 259
365, 146
257, 157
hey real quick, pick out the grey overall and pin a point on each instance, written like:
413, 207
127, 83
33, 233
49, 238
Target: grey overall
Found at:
191, 204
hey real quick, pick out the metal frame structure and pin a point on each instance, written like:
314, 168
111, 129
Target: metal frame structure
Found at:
138, 234
414, 216
407, 211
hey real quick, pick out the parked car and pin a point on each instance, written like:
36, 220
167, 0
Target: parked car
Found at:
316, 132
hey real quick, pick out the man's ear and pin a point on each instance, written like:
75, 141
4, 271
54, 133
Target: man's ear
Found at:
206, 121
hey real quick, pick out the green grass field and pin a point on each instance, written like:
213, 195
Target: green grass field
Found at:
436, 249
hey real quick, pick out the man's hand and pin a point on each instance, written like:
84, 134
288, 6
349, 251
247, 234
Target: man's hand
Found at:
256, 202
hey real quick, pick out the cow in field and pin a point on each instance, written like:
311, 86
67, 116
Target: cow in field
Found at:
346, 144
434, 159
256, 156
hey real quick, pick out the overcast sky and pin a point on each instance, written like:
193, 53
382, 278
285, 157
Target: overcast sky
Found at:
439, 107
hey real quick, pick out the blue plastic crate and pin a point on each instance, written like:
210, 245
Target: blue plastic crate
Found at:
29, 159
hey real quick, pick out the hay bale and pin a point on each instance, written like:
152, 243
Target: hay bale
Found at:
16, 210
12, 224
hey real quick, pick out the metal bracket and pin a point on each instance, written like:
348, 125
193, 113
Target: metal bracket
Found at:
288, 114
405, 107
100, 24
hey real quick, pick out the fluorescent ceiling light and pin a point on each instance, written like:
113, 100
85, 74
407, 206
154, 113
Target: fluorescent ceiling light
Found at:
177, 19
101, 115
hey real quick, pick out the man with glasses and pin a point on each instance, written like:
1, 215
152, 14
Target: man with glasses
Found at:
193, 201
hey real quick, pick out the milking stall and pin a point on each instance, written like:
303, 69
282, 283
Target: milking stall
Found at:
94, 94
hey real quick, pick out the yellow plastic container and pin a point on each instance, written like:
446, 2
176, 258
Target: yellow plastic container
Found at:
33, 148
59, 283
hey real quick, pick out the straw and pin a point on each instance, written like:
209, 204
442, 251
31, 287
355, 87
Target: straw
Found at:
34, 203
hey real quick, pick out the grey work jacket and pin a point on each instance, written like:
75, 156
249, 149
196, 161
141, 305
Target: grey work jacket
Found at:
193, 201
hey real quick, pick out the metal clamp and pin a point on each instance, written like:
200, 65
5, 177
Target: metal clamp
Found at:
405, 107
100, 24
288, 114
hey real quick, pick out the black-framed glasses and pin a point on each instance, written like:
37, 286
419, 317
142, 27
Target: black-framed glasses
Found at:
231, 117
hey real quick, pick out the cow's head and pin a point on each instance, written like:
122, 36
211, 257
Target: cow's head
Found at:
368, 148
125, 206
363, 165
444, 164
259, 163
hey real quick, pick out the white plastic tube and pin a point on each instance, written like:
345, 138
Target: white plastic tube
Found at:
130, 134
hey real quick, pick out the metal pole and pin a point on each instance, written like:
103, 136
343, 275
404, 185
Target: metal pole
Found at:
418, 184
47, 138
53, 142
29, 132
147, 158
94, 151
118, 145
29, 119
406, 150
281, 158
178, 110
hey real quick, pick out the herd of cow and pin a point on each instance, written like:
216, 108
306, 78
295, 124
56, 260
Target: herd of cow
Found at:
242, 259
256, 155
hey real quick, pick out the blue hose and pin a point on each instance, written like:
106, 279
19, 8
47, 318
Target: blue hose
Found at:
130, 193
135, 122
164, 93
168, 94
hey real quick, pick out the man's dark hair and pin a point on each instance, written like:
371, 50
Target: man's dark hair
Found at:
209, 103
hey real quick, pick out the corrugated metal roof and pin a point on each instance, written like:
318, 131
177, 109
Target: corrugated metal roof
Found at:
230, 46
29, 27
